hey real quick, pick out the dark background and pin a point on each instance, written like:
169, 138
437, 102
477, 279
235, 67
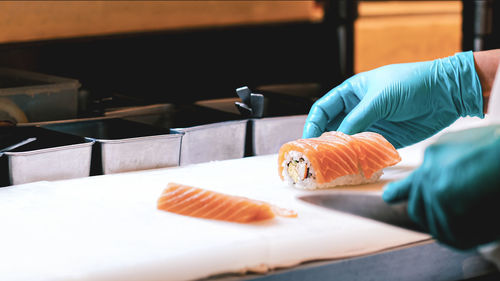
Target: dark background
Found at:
197, 64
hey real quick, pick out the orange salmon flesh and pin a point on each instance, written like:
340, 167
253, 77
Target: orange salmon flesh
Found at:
201, 203
335, 154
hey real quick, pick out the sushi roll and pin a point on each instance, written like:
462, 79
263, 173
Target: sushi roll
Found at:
335, 159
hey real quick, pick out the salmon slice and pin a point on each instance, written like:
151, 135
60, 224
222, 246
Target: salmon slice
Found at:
374, 152
201, 203
335, 155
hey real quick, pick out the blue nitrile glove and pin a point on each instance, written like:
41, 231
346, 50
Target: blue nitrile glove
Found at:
455, 193
405, 103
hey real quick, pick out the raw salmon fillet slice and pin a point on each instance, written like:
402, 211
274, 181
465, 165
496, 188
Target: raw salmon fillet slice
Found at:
201, 203
374, 152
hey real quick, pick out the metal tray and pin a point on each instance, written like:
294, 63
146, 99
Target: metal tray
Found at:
123, 145
212, 142
52, 156
41, 97
269, 134
209, 135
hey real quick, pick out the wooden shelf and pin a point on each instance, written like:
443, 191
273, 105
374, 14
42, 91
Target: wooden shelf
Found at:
406, 31
22, 21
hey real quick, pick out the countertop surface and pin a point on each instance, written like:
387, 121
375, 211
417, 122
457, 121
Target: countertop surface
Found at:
108, 227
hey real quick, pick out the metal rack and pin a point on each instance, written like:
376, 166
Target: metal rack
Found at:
480, 25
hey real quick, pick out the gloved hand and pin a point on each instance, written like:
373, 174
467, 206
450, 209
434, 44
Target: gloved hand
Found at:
455, 193
405, 103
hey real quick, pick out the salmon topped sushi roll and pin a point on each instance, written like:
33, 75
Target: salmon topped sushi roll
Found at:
335, 159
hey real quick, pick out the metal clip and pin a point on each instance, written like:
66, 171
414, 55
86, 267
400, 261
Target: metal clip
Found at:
252, 104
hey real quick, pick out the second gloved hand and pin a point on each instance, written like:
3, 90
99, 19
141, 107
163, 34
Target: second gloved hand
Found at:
405, 103
455, 193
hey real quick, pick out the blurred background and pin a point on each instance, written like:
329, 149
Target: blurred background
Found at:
184, 51
186, 69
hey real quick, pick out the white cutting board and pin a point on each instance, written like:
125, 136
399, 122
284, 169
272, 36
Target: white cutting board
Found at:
108, 227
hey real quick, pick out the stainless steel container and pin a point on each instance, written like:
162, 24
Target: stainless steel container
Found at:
41, 97
52, 156
269, 134
211, 142
56, 163
199, 134
140, 153
123, 145
208, 134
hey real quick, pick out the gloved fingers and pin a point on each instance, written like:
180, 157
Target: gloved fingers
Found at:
311, 130
398, 191
438, 225
360, 118
396, 133
417, 208
325, 110
334, 125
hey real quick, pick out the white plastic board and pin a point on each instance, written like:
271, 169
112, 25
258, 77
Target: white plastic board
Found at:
108, 227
